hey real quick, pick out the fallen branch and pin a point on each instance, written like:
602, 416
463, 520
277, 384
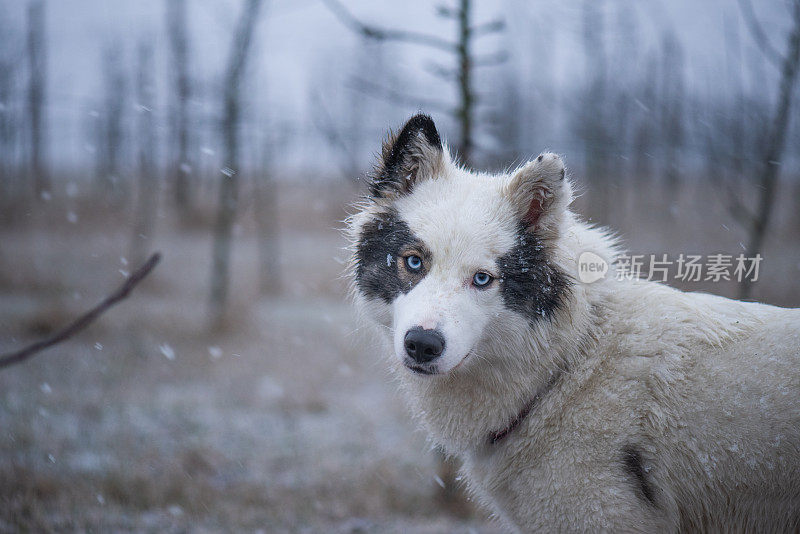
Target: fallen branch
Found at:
86, 319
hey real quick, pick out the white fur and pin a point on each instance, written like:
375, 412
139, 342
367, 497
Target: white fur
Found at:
708, 389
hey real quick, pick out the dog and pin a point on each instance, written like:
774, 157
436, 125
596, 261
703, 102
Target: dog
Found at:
621, 405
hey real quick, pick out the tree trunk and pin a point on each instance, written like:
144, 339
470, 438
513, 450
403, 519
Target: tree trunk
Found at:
592, 114
672, 98
110, 133
145, 214
775, 148
229, 176
180, 166
8, 133
37, 62
466, 104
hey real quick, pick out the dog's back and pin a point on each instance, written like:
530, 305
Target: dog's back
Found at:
718, 402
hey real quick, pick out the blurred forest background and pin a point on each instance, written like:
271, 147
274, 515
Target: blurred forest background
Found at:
234, 390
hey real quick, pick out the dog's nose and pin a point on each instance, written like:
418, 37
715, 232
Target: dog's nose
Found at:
423, 345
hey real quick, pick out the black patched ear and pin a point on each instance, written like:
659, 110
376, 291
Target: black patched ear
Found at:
412, 155
540, 192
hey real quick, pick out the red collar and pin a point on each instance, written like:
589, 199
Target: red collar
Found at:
529, 406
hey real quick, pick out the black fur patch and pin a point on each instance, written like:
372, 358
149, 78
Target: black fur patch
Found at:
381, 242
395, 165
530, 284
632, 461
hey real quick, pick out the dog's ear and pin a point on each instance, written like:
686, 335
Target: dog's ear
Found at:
412, 155
540, 192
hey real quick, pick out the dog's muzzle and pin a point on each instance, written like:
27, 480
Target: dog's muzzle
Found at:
422, 347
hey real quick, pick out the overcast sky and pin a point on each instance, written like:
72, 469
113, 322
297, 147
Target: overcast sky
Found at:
301, 49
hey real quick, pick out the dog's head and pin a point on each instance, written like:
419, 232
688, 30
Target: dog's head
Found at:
448, 259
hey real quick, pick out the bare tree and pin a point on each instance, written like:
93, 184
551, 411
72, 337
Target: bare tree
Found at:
110, 132
624, 51
180, 164
145, 213
461, 75
671, 111
229, 177
9, 116
37, 81
592, 120
734, 130
644, 138
770, 164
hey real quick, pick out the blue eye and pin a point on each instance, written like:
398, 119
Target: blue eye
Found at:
414, 263
481, 279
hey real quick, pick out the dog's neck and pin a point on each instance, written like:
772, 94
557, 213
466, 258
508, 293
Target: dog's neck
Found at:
500, 435
463, 409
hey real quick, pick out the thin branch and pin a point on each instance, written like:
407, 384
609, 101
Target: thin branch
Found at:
486, 28
85, 320
386, 93
758, 34
241, 44
440, 71
446, 11
383, 34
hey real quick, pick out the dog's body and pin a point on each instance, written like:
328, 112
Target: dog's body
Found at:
620, 405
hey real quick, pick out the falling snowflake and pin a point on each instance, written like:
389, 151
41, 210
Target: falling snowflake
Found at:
167, 351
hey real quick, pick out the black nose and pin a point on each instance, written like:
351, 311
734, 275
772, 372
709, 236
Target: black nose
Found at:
423, 345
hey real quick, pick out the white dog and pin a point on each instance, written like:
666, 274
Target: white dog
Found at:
620, 405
